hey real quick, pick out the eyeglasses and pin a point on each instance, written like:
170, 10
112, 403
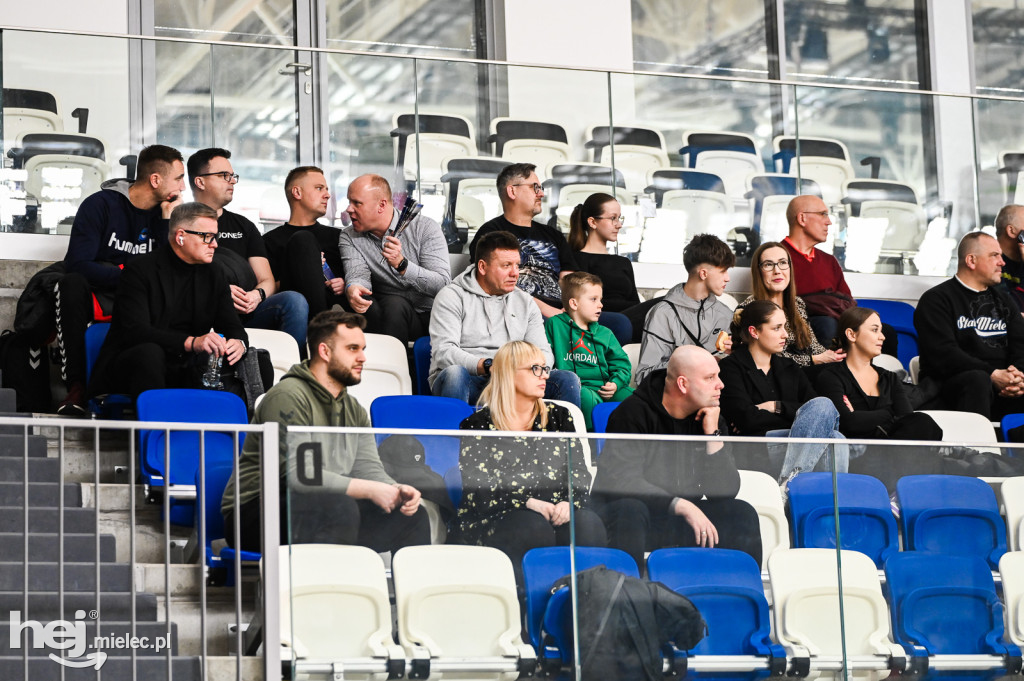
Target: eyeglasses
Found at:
537, 369
768, 265
207, 237
224, 175
819, 213
621, 219
537, 189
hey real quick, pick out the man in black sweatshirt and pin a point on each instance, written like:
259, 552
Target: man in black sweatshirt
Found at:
653, 493
971, 336
121, 221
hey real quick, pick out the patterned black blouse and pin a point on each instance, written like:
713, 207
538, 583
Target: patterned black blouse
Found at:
500, 474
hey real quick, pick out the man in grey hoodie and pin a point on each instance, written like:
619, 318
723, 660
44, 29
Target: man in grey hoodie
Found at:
122, 220
690, 313
476, 314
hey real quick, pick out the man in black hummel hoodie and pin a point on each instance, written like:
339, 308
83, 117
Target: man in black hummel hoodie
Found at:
971, 336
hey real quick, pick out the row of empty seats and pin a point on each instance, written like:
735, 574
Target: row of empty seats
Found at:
458, 613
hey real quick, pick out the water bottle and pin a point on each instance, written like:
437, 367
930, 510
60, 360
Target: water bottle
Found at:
211, 377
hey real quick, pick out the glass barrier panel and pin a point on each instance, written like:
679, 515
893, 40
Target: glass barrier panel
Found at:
1000, 148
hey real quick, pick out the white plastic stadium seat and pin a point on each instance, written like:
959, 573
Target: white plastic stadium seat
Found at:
914, 369
459, 603
284, 351
888, 362
805, 592
1011, 570
632, 351
335, 606
1012, 491
965, 427
581, 430
386, 371
761, 491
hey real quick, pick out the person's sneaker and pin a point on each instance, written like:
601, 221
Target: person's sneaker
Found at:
74, 404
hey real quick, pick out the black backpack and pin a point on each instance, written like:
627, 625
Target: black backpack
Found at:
625, 623
26, 368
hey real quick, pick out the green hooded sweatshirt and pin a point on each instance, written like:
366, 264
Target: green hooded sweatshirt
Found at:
594, 355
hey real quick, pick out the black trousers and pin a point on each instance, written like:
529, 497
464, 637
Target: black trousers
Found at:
632, 528
148, 367
303, 272
331, 518
523, 529
74, 312
395, 316
973, 391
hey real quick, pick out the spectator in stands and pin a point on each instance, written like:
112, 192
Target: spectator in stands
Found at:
516, 490
545, 255
476, 314
122, 220
173, 310
818, 275
971, 335
873, 404
392, 280
771, 279
303, 253
594, 224
653, 493
1009, 231
241, 253
343, 495
581, 345
767, 394
690, 313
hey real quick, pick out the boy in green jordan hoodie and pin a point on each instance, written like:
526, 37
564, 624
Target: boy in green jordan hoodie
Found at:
586, 348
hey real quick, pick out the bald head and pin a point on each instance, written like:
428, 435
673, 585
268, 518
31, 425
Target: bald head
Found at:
979, 261
1009, 223
369, 204
685, 360
808, 220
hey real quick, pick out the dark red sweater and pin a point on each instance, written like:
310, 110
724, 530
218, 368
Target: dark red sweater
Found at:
820, 274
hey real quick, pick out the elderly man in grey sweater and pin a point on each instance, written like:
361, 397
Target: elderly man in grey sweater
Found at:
391, 279
478, 313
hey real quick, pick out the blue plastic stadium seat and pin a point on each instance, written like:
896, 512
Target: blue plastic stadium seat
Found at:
865, 516
421, 362
952, 515
600, 417
186, 406
541, 569
217, 476
900, 316
946, 605
424, 412
1009, 422
106, 406
726, 587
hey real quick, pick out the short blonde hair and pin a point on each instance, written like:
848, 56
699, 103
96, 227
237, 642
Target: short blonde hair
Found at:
500, 392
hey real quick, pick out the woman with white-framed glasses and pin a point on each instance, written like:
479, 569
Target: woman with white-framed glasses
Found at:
516, 488
771, 278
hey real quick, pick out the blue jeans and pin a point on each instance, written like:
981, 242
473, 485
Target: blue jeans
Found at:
286, 311
456, 382
817, 418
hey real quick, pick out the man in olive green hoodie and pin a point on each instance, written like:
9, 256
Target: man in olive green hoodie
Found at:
338, 493
586, 348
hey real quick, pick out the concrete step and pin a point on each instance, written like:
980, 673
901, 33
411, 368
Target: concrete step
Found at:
17, 445
40, 494
45, 520
232, 667
46, 607
45, 547
40, 469
15, 274
113, 669
45, 577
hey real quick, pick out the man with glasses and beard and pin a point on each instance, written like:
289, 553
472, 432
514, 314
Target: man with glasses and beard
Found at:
334, 489
173, 311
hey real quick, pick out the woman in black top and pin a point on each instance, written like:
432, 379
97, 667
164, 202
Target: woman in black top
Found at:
516, 489
593, 224
873, 404
766, 394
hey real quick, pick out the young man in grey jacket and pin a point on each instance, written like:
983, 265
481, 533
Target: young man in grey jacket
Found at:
476, 314
690, 313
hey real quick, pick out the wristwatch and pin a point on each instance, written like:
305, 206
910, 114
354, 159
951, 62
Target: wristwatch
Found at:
263, 294
487, 366
402, 266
